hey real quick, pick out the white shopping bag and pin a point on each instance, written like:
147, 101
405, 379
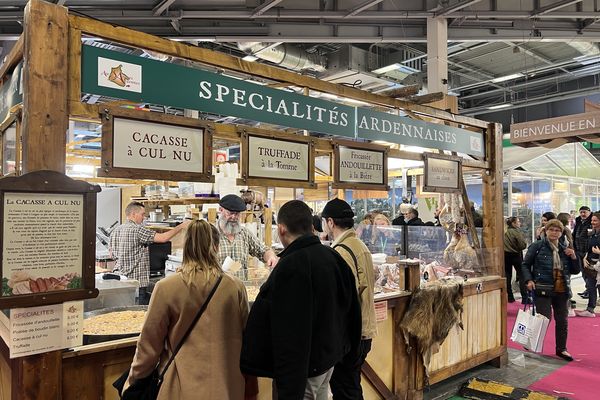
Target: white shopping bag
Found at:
530, 329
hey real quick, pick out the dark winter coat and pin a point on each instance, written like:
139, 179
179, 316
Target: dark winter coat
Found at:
580, 235
538, 265
305, 319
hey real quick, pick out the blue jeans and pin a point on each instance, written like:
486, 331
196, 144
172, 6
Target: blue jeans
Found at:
590, 286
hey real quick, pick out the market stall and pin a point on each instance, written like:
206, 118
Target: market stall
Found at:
288, 164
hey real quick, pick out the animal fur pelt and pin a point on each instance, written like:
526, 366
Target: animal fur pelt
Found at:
433, 311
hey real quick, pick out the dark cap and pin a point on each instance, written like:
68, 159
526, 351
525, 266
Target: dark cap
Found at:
234, 203
584, 208
337, 208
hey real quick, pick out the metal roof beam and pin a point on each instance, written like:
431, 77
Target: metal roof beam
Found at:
362, 7
264, 7
162, 6
447, 11
553, 7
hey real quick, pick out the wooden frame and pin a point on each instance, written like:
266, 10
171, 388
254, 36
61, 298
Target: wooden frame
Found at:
109, 170
14, 118
51, 182
441, 189
249, 180
338, 184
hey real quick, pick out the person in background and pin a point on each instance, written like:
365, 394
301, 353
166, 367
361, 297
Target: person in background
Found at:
236, 241
306, 317
550, 262
402, 209
128, 245
338, 223
589, 273
547, 216
411, 217
514, 244
207, 365
581, 237
477, 218
567, 239
380, 239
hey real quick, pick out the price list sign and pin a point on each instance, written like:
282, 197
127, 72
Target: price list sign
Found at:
42, 329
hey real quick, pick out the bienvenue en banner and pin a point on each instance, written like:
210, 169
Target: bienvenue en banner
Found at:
124, 76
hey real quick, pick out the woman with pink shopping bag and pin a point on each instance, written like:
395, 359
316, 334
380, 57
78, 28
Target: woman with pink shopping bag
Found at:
546, 269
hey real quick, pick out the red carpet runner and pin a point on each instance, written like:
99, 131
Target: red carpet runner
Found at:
577, 380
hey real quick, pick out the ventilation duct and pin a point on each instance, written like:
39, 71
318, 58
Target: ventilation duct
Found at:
285, 55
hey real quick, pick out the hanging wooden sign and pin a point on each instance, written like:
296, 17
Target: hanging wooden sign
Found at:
47, 239
270, 160
442, 173
147, 145
359, 166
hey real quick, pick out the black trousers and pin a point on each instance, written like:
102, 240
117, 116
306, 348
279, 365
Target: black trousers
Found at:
514, 260
558, 304
345, 381
144, 296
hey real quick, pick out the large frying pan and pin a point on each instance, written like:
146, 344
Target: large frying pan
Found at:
89, 339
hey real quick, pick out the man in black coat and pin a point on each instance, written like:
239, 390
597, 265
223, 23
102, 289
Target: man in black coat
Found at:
581, 238
412, 217
306, 316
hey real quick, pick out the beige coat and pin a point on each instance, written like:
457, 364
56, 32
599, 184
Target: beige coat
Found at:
364, 276
208, 364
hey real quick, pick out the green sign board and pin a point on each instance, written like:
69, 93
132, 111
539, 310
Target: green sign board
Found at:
139, 79
123, 76
375, 125
11, 92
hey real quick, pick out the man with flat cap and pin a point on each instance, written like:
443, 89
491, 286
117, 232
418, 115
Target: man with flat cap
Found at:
236, 241
338, 222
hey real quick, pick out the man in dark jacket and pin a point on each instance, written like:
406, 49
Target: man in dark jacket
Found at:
581, 239
306, 317
412, 217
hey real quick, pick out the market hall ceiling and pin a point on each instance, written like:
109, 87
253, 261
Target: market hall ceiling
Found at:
499, 52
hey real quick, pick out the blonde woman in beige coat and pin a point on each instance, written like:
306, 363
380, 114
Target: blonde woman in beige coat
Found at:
208, 364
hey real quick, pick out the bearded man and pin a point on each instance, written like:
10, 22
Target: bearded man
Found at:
236, 241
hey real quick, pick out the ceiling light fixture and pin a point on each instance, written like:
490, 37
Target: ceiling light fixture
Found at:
250, 58
395, 67
499, 106
507, 77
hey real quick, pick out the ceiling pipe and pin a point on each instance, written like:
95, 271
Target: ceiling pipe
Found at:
285, 55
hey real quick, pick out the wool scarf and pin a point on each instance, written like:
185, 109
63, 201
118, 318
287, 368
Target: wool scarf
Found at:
556, 263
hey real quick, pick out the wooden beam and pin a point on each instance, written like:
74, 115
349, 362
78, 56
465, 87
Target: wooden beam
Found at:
492, 200
74, 66
427, 98
13, 58
374, 379
402, 92
177, 49
45, 117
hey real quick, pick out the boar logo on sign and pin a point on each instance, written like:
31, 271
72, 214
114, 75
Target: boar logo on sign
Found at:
116, 74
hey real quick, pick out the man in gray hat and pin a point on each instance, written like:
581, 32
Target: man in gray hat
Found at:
236, 241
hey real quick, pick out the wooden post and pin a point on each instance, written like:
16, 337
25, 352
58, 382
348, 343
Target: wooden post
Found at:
212, 215
44, 127
268, 217
45, 77
493, 234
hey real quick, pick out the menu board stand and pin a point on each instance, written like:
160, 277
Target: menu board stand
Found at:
47, 239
